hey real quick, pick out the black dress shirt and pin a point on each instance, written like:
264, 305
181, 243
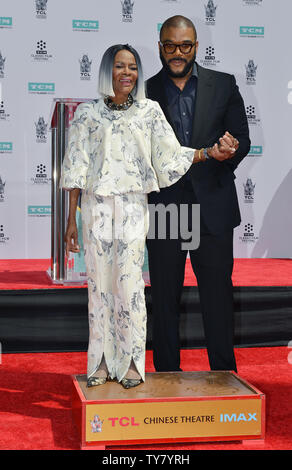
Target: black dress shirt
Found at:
181, 106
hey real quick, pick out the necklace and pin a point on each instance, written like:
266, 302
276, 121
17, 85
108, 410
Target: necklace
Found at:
119, 107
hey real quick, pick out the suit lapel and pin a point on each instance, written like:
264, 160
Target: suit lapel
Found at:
203, 107
204, 98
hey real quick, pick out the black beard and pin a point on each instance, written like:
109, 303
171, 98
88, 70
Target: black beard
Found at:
184, 72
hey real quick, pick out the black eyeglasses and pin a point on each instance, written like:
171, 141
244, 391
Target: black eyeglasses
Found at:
170, 48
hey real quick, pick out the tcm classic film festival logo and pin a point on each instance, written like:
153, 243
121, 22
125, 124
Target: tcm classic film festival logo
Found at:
253, 2
40, 176
4, 238
4, 115
249, 235
41, 54
85, 26
39, 88
251, 115
39, 211
6, 147
210, 59
5, 22
252, 31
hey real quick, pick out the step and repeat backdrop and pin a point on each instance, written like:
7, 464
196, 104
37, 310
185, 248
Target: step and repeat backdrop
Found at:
52, 49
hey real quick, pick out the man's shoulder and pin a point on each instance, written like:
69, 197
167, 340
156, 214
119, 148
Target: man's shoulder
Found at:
155, 78
204, 72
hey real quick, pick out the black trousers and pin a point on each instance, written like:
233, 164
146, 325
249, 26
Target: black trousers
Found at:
212, 263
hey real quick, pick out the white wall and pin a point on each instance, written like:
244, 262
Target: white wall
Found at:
25, 203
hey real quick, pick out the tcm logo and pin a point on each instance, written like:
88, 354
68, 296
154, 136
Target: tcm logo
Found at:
39, 210
6, 146
35, 87
252, 31
88, 25
5, 21
256, 151
236, 418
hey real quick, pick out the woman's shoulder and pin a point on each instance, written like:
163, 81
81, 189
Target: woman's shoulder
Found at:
84, 107
87, 109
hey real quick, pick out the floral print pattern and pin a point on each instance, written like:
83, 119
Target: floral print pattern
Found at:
116, 158
116, 307
118, 152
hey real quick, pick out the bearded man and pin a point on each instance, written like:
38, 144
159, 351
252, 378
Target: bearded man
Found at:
201, 105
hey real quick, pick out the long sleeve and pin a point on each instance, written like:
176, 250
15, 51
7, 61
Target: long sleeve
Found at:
235, 121
169, 159
76, 159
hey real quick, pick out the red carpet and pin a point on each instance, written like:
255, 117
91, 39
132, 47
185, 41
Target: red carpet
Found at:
31, 274
35, 408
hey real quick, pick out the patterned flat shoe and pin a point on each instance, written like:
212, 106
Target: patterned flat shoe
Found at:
129, 383
94, 381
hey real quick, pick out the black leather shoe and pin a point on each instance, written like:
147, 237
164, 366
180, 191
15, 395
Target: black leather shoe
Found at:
130, 383
94, 381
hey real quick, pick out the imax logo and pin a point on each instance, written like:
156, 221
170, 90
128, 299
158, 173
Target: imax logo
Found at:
6, 146
256, 150
235, 418
85, 24
39, 210
41, 87
252, 31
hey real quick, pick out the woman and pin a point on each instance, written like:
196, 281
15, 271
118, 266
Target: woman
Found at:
120, 148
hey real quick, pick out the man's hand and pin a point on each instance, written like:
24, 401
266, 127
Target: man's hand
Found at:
226, 148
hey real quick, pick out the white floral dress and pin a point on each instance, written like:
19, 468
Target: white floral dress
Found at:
117, 158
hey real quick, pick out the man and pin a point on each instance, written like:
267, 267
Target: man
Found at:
201, 105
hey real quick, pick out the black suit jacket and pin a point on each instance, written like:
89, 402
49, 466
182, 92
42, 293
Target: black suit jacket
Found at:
219, 107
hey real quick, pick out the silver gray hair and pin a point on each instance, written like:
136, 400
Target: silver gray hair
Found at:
105, 81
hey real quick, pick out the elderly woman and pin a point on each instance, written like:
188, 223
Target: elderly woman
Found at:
120, 148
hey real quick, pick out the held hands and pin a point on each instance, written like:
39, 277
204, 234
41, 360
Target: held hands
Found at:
226, 148
71, 238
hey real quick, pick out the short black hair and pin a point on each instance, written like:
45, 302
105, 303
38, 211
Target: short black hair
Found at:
178, 21
106, 69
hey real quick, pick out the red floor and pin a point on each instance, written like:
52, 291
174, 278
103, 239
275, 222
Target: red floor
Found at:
31, 274
35, 398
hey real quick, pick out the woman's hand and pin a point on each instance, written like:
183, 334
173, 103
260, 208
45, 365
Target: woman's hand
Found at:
71, 237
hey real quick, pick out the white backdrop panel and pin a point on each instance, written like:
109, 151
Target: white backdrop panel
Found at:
40, 54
